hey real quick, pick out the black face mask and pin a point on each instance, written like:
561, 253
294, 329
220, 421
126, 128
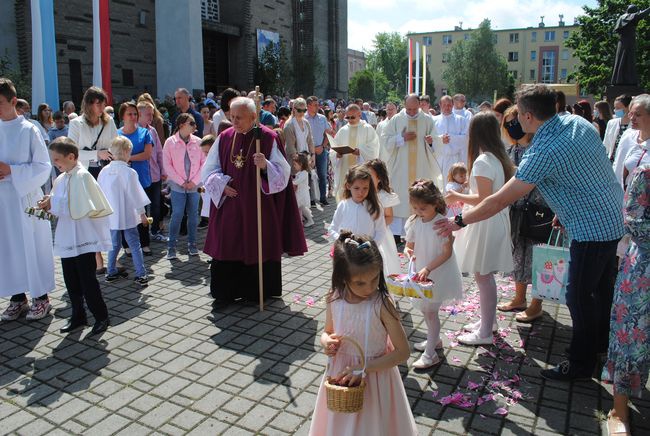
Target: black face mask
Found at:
514, 130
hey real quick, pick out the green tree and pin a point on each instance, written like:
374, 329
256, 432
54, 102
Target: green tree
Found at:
22, 82
309, 73
390, 57
594, 44
369, 85
273, 71
476, 69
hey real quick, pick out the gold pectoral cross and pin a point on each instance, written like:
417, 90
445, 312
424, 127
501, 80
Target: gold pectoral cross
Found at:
239, 160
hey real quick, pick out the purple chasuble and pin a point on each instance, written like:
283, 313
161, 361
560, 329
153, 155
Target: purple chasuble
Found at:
232, 230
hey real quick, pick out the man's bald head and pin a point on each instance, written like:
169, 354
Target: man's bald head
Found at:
412, 104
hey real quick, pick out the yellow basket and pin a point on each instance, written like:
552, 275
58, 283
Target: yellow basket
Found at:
400, 284
346, 399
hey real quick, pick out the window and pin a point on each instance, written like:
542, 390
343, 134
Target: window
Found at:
533, 36
533, 55
548, 67
565, 34
513, 56
127, 77
563, 73
446, 39
514, 74
428, 59
565, 54
445, 58
426, 40
514, 38
531, 76
549, 35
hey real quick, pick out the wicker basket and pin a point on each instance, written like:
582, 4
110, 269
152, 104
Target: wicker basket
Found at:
346, 399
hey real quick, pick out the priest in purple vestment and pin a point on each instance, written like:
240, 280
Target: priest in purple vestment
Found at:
229, 175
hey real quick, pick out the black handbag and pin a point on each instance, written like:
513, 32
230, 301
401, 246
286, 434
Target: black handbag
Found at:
536, 222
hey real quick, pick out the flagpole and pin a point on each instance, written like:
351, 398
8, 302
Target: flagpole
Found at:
417, 68
410, 69
424, 69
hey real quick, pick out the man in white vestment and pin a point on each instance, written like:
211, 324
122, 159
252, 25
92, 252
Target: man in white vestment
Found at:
356, 134
28, 265
453, 129
412, 147
391, 110
370, 115
459, 107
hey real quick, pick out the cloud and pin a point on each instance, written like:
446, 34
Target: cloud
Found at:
368, 17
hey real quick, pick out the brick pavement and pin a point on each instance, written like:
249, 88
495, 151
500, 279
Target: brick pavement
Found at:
169, 366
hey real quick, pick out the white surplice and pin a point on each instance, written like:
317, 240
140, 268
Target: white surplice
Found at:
457, 128
125, 194
383, 154
411, 160
363, 137
28, 263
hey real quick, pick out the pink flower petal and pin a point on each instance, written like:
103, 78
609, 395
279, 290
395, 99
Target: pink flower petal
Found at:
455, 359
471, 385
309, 302
501, 411
434, 394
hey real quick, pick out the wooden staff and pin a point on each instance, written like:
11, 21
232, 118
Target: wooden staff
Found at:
258, 179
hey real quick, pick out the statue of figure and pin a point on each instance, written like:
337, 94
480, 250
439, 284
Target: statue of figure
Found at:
625, 64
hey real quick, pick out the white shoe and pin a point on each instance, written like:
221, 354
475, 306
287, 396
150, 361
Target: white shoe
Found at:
426, 362
309, 223
473, 338
14, 310
477, 325
421, 346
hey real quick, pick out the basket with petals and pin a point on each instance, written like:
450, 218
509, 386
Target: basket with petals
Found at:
405, 284
346, 399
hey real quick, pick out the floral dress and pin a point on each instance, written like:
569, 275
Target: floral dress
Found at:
522, 247
628, 359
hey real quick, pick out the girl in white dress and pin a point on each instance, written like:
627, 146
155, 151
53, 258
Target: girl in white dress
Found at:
359, 211
484, 247
387, 199
300, 164
434, 259
456, 181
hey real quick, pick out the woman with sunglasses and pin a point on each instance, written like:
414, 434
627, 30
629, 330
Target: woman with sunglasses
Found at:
142, 151
297, 131
183, 160
522, 247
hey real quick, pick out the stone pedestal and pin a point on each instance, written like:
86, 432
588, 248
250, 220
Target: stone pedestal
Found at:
614, 91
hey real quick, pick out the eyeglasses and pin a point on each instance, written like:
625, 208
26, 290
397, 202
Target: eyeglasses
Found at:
350, 118
300, 111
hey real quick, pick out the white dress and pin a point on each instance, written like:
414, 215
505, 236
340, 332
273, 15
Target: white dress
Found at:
27, 263
75, 237
389, 249
301, 181
124, 193
355, 217
485, 247
447, 280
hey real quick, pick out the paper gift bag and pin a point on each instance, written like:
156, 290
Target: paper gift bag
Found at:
550, 271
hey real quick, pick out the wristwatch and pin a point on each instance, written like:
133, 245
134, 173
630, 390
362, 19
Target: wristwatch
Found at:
458, 219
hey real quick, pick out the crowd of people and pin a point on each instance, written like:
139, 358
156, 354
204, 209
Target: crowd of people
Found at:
450, 187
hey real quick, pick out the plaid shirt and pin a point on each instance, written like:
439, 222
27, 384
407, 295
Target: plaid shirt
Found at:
567, 163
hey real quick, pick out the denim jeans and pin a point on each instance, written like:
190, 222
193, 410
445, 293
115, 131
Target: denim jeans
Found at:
321, 170
181, 202
590, 289
133, 240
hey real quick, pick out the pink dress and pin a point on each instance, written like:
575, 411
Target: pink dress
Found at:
386, 410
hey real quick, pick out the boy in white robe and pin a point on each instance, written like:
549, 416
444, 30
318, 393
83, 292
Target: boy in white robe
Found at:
356, 134
81, 231
24, 168
128, 200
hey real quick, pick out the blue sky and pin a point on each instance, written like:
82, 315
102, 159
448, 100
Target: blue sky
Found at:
368, 17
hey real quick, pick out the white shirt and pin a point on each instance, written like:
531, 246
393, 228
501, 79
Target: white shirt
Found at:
355, 217
124, 193
85, 135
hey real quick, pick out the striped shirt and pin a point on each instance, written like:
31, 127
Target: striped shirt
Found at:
566, 162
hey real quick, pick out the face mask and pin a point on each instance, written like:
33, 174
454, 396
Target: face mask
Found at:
514, 130
620, 113
596, 114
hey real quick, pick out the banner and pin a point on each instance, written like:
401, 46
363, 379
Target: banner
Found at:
45, 81
102, 48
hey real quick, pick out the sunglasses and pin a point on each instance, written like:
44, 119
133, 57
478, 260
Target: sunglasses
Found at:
192, 123
301, 111
350, 118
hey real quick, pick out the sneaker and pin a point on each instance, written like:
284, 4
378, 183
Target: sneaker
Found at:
15, 309
203, 223
159, 237
114, 277
192, 250
324, 203
312, 203
309, 223
426, 362
477, 325
564, 372
143, 281
171, 254
473, 338
421, 346
39, 310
